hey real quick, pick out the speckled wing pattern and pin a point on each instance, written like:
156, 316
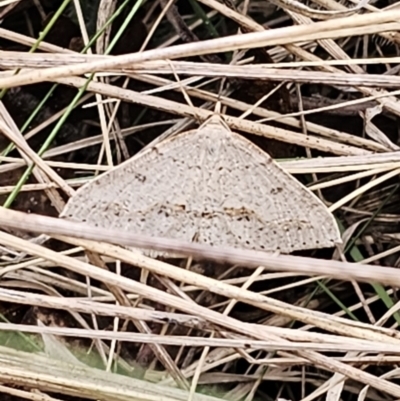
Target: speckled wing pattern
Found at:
211, 186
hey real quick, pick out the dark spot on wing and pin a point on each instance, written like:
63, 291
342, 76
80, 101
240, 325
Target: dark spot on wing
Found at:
140, 177
275, 191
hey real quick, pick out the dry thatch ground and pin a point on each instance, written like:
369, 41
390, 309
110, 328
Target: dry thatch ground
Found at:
314, 84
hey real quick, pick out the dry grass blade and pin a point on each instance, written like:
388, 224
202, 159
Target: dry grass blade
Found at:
268, 72
15, 59
349, 163
47, 374
57, 227
236, 343
321, 30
